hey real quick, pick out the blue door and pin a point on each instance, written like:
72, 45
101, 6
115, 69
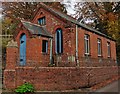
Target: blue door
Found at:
23, 49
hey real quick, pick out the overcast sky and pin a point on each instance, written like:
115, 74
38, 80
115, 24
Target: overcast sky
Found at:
70, 6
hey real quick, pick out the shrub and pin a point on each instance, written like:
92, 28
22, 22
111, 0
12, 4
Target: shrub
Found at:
25, 88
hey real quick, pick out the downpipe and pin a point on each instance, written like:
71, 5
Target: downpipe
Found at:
51, 51
77, 61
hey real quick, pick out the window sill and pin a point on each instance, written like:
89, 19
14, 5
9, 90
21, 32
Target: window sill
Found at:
59, 53
44, 53
100, 56
109, 56
87, 54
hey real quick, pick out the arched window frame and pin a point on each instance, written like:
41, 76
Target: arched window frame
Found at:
59, 41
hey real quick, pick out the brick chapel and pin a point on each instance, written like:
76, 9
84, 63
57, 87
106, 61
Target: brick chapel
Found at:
54, 39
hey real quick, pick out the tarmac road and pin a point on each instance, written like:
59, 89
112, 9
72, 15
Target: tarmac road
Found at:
113, 87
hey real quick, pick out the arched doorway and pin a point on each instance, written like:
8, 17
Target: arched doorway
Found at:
23, 49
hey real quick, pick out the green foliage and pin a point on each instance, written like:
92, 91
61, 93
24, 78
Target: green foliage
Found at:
114, 31
4, 44
8, 26
112, 28
26, 87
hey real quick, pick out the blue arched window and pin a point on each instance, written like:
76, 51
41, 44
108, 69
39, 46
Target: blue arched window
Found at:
59, 41
23, 49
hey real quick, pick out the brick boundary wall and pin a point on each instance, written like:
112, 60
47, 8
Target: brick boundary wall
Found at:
58, 78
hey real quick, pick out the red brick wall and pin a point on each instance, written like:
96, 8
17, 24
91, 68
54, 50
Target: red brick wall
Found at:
11, 57
93, 45
9, 79
113, 50
58, 78
35, 56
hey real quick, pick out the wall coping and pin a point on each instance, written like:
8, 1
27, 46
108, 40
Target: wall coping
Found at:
12, 43
9, 70
64, 67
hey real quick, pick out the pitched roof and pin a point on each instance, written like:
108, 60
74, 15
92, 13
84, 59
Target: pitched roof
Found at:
70, 19
35, 29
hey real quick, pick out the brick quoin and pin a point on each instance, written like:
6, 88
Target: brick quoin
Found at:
65, 74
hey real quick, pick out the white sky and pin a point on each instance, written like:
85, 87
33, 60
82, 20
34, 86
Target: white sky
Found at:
70, 6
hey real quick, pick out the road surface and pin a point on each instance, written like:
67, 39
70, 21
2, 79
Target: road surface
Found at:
113, 87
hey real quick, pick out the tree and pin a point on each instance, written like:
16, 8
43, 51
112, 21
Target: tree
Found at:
25, 10
19, 10
98, 12
8, 26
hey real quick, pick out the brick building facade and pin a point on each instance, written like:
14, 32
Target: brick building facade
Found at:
55, 39
72, 52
